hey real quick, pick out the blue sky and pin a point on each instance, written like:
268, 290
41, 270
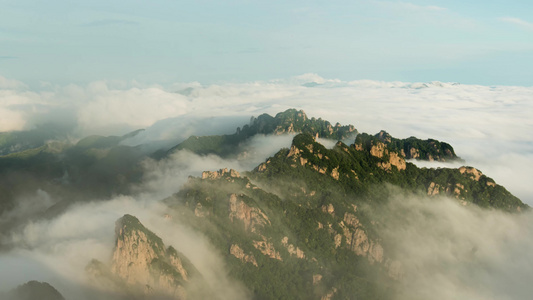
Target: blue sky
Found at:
474, 42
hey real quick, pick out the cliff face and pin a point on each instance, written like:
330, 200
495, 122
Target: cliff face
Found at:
142, 264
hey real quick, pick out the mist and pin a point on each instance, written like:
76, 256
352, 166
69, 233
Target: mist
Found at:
57, 249
488, 126
442, 246
450, 251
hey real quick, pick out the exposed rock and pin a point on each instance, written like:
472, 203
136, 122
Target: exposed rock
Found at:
267, 249
140, 259
329, 295
335, 173
329, 209
134, 251
458, 188
414, 153
338, 240
378, 150
262, 167
375, 253
394, 160
320, 170
397, 161
293, 250
471, 172
237, 251
220, 173
294, 151
316, 279
359, 242
252, 217
433, 189
199, 211
351, 219
384, 136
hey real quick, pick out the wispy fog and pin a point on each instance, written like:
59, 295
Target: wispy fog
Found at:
449, 251
58, 250
489, 126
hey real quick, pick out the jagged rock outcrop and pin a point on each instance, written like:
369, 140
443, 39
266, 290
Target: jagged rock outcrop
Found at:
471, 172
220, 173
253, 218
414, 148
287, 122
237, 251
357, 240
141, 259
293, 250
267, 248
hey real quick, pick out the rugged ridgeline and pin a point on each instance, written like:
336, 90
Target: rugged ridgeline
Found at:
101, 166
298, 226
142, 266
414, 148
289, 121
296, 121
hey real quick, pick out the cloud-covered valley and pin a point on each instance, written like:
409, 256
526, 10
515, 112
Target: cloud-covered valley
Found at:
437, 241
489, 126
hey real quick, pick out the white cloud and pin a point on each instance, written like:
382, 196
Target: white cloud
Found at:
408, 6
489, 126
517, 21
449, 251
6, 83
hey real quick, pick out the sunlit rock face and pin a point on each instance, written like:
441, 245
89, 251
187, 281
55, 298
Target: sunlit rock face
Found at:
141, 264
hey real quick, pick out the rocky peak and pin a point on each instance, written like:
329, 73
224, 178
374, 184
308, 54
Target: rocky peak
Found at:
220, 173
140, 259
471, 172
384, 136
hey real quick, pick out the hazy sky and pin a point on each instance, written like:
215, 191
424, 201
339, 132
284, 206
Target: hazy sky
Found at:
474, 42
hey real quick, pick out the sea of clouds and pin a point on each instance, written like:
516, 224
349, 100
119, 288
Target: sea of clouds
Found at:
489, 126
470, 253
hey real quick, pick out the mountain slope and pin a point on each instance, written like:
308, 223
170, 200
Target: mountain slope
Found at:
299, 226
142, 265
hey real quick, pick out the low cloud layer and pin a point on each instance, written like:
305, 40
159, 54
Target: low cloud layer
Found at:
448, 251
489, 126
58, 250
471, 253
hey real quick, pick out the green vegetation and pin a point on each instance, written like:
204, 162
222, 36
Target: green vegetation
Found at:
295, 227
129, 224
34, 290
313, 198
289, 121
